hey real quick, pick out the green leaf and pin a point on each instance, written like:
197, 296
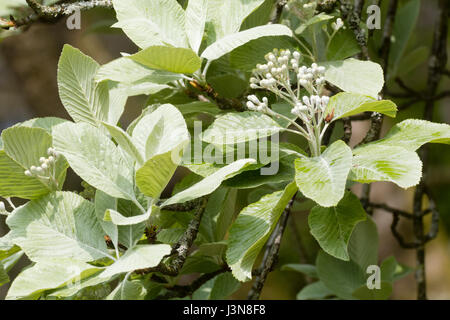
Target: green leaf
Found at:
7, 247
240, 127
125, 141
129, 290
351, 75
218, 214
103, 202
411, 134
46, 275
23, 148
412, 60
198, 107
343, 45
313, 291
129, 235
363, 245
228, 85
139, 257
95, 158
404, 23
332, 227
259, 16
126, 70
323, 178
96, 286
248, 55
209, 184
218, 288
170, 236
344, 277
252, 228
156, 173
4, 278
150, 23
391, 270
386, 163
84, 100
364, 293
161, 131
177, 60
226, 17
129, 78
314, 20
233, 41
160, 137
196, 16
346, 104
47, 123
61, 225
14, 183
120, 220
307, 269
340, 277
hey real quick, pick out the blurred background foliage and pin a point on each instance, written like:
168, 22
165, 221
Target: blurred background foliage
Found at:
28, 63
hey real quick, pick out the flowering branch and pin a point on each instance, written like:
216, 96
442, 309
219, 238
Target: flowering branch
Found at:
276, 76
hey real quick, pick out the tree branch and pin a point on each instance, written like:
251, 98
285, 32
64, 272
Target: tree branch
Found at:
271, 253
184, 291
181, 249
436, 66
53, 13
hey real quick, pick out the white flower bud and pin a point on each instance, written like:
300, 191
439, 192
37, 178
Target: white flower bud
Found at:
321, 69
253, 80
338, 24
265, 101
314, 66
33, 168
44, 166
274, 71
268, 75
296, 55
254, 86
325, 100
2, 206
253, 99
250, 105
295, 66
271, 57
306, 100
39, 169
28, 173
303, 82
42, 159
270, 65
50, 151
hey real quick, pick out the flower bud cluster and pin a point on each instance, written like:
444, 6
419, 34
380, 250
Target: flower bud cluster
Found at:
312, 79
46, 165
315, 103
276, 70
338, 24
255, 104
